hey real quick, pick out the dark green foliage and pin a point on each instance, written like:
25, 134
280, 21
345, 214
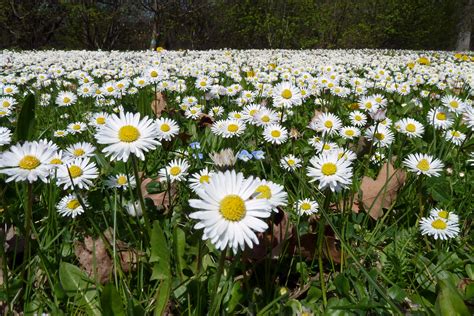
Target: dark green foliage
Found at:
205, 24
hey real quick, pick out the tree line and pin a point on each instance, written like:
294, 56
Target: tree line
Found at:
206, 24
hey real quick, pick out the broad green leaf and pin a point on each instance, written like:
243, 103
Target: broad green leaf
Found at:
26, 119
160, 253
180, 248
76, 284
342, 285
111, 302
235, 297
160, 256
449, 300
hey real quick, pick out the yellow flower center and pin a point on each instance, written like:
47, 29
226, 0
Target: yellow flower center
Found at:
358, 118
439, 224
379, 136
3, 112
454, 104
79, 152
368, 105
165, 127
443, 214
154, 73
174, 171
265, 119
233, 128
56, 161
141, 82
286, 94
441, 116
232, 208
252, 112
328, 169
76, 127
378, 99
110, 89
455, 134
326, 147
29, 162
8, 90
349, 132
6, 104
121, 180
328, 124
237, 115
265, 192
204, 179
73, 204
128, 133
423, 165
66, 100
305, 206
275, 133
100, 120
75, 171
202, 83
291, 162
410, 128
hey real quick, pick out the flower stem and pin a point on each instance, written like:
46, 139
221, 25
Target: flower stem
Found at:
322, 224
139, 193
28, 221
215, 301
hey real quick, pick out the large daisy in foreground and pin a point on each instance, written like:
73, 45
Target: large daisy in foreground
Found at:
27, 162
228, 213
127, 134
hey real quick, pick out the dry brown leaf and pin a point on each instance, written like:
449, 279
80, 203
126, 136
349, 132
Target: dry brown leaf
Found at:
158, 105
375, 195
93, 257
161, 199
316, 114
205, 121
92, 253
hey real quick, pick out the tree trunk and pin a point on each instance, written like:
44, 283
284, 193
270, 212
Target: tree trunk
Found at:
465, 26
154, 33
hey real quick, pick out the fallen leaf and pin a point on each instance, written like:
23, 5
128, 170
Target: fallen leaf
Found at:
96, 260
158, 105
161, 199
205, 121
375, 195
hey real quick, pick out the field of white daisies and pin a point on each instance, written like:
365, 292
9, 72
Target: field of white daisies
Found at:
256, 182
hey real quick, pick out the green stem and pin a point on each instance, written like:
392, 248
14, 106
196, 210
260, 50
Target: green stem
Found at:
28, 220
322, 224
139, 193
215, 301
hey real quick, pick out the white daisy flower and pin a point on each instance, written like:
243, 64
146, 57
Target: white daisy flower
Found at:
444, 214
275, 134
70, 206
76, 127
439, 228
27, 162
286, 94
66, 98
199, 178
327, 123
60, 133
380, 135
80, 150
273, 192
80, 171
455, 137
231, 128
349, 132
423, 164
290, 162
330, 171
440, 118
358, 118
176, 170
5, 136
306, 207
127, 134
227, 212
120, 181
454, 104
410, 127
166, 128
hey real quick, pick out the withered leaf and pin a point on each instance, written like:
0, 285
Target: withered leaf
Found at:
375, 195
161, 199
158, 105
